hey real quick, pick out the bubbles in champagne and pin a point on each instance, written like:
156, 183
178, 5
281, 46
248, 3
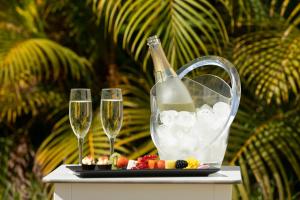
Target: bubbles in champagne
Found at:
80, 115
111, 116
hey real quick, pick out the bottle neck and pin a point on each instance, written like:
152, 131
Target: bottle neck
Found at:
162, 67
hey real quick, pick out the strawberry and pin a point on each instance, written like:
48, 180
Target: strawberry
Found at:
140, 159
142, 166
122, 162
161, 164
150, 157
147, 161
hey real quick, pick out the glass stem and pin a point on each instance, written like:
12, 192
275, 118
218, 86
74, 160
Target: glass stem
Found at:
80, 143
111, 142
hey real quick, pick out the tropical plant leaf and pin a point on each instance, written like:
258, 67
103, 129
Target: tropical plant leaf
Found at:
31, 101
245, 12
261, 13
27, 50
22, 13
286, 9
270, 64
27, 60
24, 64
185, 27
263, 151
40, 57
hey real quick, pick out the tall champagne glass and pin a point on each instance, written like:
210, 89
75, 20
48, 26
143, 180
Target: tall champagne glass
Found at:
80, 114
111, 113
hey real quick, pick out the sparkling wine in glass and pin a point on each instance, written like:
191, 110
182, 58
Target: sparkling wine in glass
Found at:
80, 115
111, 113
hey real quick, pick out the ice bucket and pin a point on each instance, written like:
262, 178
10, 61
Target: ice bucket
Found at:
202, 134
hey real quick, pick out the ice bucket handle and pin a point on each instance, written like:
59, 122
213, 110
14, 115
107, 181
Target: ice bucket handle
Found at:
228, 67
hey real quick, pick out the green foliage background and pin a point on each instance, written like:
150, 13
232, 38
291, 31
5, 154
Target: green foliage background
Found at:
48, 47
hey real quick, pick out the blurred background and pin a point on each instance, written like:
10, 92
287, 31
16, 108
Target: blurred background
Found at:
48, 47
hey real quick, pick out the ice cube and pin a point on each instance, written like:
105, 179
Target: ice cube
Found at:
221, 112
185, 119
200, 129
188, 144
204, 109
167, 138
168, 144
219, 123
221, 109
205, 114
168, 117
177, 131
206, 123
161, 131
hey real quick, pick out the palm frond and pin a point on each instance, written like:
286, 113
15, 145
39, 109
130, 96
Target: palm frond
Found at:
263, 151
27, 61
43, 58
24, 47
270, 64
21, 13
261, 13
185, 27
30, 101
245, 12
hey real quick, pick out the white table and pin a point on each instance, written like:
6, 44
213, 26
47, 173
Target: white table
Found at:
214, 187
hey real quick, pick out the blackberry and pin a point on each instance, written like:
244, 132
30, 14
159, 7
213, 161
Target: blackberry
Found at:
180, 164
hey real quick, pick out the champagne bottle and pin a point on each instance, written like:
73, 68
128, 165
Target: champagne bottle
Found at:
171, 93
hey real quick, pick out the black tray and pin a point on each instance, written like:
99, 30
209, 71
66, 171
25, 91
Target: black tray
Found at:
141, 173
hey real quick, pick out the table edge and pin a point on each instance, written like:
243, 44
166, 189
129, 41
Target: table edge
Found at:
149, 180
144, 182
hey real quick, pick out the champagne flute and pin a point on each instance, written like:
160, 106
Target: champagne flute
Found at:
80, 114
111, 113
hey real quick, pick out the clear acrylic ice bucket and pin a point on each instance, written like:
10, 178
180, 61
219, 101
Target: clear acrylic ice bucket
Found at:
202, 134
